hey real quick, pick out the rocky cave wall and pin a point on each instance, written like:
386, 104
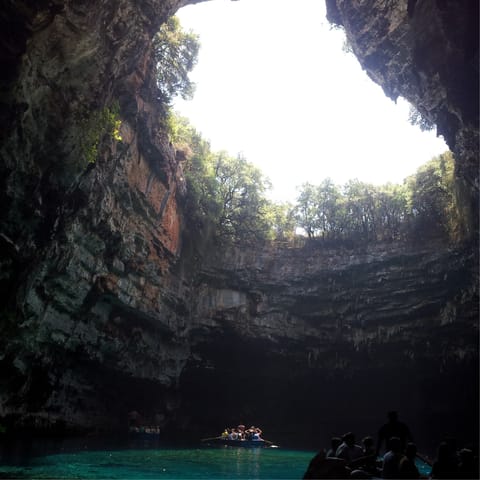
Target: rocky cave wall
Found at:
427, 52
322, 341
87, 248
109, 306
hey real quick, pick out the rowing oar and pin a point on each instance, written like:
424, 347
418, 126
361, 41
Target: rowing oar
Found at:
269, 443
212, 438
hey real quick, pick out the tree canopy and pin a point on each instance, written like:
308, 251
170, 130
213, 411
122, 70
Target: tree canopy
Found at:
230, 195
176, 53
226, 193
424, 206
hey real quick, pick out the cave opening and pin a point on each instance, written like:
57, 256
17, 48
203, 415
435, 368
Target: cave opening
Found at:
283, 87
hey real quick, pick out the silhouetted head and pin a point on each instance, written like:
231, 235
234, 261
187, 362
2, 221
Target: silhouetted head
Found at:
335, 442
411, 450
443, 451
452, 445
367, 442
395, 445
349, 439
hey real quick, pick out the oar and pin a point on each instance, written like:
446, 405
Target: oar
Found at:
269, 443
212, 438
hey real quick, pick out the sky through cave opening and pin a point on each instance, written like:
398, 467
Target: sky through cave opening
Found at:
274, 82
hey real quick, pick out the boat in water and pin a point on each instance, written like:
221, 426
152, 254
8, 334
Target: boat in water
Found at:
225, 442
240, 437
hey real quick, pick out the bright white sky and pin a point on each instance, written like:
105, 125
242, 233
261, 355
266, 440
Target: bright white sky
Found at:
273, 83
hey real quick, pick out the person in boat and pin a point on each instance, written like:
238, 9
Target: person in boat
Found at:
468, 465
334, 444
368, 461
393, 428
368, 446
445, 466
407, 467
326, 467
348, 450
366, 465
391, 460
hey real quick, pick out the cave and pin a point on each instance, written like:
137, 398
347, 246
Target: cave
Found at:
111, 305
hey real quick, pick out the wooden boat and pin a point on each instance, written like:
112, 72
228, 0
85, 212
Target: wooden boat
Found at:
222, 441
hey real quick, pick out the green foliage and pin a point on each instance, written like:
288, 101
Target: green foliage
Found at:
431, 199
227, 195
415, 117
94, 127
424, 207
176, 53
281, 217
240, 193
306, 209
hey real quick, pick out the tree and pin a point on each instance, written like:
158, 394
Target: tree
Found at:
306, 209
328, 199
282, 220
416, 117
241, 196
431, 199
360, 205
176, 53
391, 211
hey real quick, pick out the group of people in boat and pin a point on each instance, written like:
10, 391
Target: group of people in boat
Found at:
242, 433
346, 459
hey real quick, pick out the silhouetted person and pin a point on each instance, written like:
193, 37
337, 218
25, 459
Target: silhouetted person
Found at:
407, 467
348, 449
468, 466
368, 448
445, 466
334, 444
369, 462
391, 460
322, 467
452, 449
393, 428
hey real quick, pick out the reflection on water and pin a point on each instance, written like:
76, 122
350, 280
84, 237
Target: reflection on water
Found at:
165, 463
146, 459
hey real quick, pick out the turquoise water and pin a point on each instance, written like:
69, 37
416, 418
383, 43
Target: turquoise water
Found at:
201, 463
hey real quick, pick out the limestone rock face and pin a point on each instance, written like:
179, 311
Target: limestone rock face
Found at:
314, 336
427, 52
110, 304
87, 248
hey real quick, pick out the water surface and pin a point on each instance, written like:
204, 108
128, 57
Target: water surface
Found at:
164, 463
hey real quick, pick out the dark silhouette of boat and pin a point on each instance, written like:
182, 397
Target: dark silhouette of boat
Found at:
225, 442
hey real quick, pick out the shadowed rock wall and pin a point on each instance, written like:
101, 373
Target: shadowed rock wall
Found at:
110, 304
321, 341
427, 52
